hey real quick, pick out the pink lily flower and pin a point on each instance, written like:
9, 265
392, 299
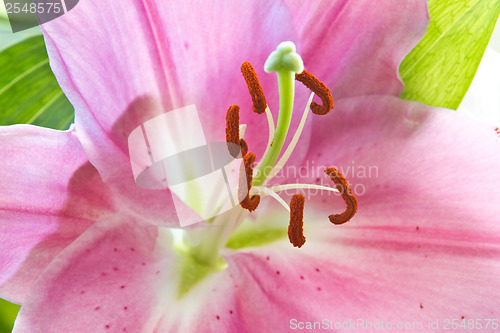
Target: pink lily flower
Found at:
84, 249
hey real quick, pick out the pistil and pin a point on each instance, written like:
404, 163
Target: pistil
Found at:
286, 90
286, 63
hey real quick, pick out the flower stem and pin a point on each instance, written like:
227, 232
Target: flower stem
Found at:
286, 84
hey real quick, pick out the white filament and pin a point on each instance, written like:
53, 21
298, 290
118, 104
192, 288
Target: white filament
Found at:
279, 188
243, 129
272, 129
262, 190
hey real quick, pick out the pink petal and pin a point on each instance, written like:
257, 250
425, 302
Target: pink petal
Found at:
122, 67
120, 277
338, 275
108, 280
389, 275
50, 195
356, 46
405, 160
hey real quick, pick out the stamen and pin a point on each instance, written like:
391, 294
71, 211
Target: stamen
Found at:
246, 176
320, 89
295, 228
254, 88
346, 192
233, 132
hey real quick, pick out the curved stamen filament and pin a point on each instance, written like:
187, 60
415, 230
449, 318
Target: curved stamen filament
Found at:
320, 89
279, 188
259, 102
267, 191
346, 192
233, 132
245, 184
270, 122
289, 150
295, 228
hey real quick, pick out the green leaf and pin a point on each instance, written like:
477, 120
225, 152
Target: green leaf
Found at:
440, 69
29, 92
8, 313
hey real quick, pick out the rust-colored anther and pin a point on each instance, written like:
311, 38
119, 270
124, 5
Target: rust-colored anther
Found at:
233, 132
243, 147
320, 89
251, 203
295, 228
245, 184
345, 190
254, 88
